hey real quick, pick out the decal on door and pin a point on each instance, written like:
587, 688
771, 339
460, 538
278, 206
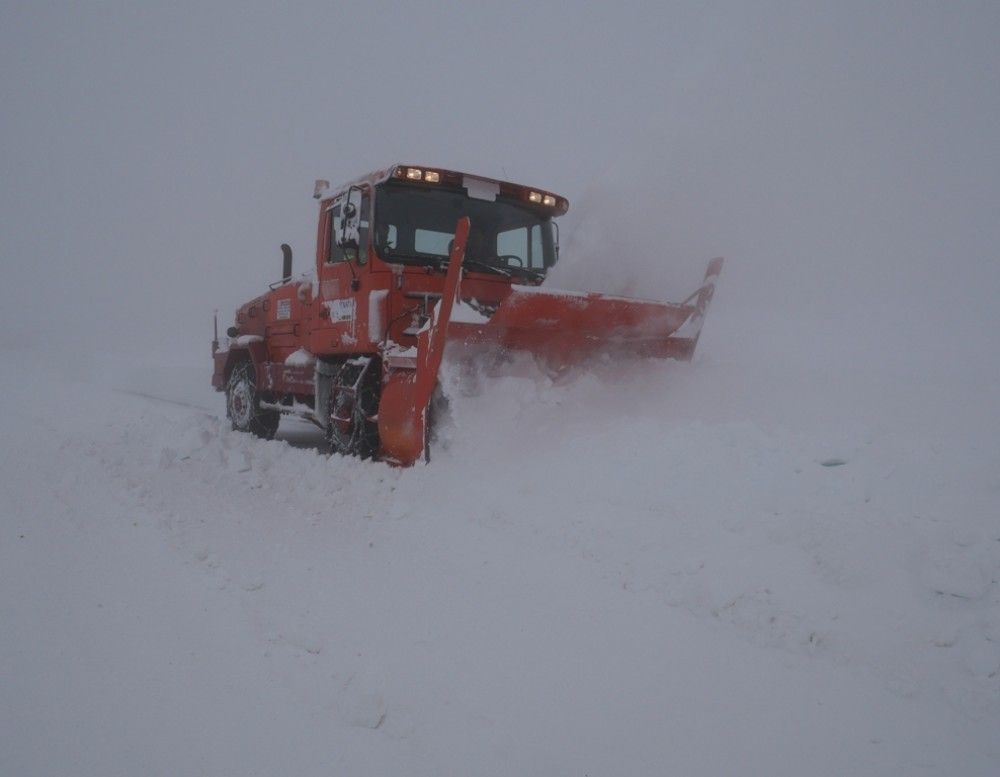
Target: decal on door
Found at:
341, 309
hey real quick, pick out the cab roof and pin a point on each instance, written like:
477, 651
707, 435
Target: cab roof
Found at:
417, 175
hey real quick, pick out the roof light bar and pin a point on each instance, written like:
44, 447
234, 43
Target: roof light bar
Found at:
542, 199
416, 174
449, 178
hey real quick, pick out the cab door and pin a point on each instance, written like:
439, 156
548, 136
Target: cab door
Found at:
341, 272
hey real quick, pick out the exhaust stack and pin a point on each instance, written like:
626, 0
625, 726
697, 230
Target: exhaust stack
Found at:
286, 263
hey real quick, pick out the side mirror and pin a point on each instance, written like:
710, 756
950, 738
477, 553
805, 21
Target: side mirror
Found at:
349, 229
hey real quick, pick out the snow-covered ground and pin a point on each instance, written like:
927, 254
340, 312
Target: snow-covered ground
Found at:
782, 559
730, 567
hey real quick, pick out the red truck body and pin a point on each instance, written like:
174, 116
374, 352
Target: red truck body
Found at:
407, 260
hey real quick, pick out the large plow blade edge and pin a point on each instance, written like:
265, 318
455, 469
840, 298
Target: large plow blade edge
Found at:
566, 328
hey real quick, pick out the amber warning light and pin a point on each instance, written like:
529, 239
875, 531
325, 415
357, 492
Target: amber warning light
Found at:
511, 190
416, 174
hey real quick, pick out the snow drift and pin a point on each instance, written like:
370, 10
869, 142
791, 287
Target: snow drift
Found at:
702, 570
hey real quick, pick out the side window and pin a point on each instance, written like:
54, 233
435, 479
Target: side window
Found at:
386, 239
335, 252
537, 256
364, 227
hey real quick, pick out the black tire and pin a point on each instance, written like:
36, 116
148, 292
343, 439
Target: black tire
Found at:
243, 404
357, 436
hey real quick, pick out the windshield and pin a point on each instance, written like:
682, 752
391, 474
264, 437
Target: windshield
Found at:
416, 225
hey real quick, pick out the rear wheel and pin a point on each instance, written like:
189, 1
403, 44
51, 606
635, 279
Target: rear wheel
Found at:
243, 404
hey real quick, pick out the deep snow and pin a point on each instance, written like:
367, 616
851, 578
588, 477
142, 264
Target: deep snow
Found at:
665, 573
781, 559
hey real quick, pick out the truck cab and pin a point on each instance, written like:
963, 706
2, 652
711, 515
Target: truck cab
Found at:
383, 247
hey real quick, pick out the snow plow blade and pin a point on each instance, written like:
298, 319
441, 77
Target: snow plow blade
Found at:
566, 328
560, 328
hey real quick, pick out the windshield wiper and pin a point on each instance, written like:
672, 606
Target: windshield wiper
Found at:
443, 262
487, 266
392, 253
439, 262
539, 274
506, 272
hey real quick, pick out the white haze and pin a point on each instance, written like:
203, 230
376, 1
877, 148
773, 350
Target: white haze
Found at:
843, 157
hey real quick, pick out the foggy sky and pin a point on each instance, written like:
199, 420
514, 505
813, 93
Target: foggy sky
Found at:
843, 157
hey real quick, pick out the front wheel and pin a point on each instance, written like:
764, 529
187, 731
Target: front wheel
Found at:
352, 410
243, 404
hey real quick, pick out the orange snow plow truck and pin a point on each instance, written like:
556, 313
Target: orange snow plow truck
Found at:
411, 261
